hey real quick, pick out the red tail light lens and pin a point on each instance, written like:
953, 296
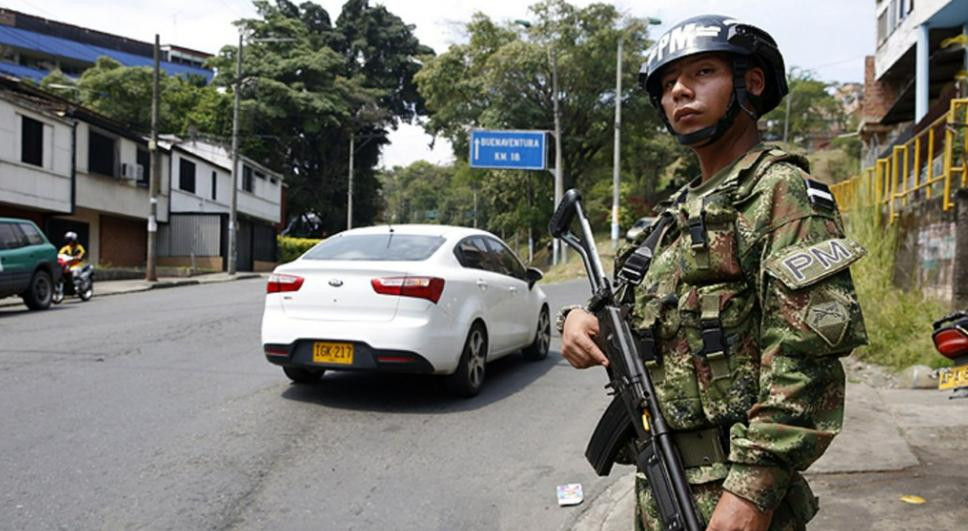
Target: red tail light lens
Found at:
279, 283
951, 342
428, 288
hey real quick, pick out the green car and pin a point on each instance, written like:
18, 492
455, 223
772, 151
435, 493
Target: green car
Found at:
28, 263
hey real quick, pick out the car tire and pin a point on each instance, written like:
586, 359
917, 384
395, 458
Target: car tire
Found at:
40, 291
538, 350
303, 376
468, 379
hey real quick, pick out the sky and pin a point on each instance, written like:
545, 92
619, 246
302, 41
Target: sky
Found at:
829, 37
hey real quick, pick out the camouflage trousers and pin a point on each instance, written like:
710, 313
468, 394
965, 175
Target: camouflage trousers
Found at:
793, 513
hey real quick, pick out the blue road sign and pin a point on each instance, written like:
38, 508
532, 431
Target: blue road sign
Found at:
508, 150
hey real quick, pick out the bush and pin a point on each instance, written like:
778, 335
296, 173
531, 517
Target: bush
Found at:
292, 248
898, 322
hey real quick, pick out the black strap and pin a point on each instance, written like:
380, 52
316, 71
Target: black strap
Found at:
637, 264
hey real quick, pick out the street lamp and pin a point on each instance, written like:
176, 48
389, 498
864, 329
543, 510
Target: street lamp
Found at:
233, 204
556, 249
616, 155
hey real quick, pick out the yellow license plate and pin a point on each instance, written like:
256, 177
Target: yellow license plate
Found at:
339, 353
953, 377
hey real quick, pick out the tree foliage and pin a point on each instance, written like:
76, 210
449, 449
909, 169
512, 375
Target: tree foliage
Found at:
309, 84
813, 110
502, 78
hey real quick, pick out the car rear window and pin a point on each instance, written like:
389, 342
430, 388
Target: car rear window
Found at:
402, 247
33, 235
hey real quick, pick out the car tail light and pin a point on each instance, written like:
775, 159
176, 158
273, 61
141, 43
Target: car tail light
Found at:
428, 288
951, 342
275, 350
279, 283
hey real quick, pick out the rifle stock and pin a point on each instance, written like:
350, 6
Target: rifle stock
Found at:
633, 419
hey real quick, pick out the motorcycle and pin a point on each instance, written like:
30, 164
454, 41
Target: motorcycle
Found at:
951, 340
75, 280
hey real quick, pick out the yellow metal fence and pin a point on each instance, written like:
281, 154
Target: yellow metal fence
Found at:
910, 173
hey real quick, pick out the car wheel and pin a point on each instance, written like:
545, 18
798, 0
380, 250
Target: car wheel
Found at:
538, 350
303, 376
40, 292
469, 376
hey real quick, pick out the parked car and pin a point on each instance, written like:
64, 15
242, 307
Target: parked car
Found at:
638, 227
28, 263
408, 298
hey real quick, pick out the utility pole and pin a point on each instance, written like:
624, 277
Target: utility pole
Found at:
349, 188
786, 119
154, 176
559, 182
233, 205
618, 140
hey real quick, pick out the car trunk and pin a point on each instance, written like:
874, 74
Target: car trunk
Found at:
342, 291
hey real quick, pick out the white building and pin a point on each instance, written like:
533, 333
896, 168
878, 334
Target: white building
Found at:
200, 201
920, 64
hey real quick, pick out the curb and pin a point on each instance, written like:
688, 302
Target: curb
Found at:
15, 300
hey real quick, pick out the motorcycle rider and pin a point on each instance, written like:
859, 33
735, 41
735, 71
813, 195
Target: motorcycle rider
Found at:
73, 247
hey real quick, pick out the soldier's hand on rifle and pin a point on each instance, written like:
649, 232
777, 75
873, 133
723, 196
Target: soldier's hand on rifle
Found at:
578, 340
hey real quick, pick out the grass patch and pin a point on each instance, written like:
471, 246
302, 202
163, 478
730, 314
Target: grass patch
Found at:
898, 322
574, 268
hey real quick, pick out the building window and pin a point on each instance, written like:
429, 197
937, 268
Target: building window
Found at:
144, 160
214, 186
882, 27
247, 183
186, 175
100, 154
32, 141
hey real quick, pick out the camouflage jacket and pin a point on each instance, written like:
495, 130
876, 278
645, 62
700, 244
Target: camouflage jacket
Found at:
759, 252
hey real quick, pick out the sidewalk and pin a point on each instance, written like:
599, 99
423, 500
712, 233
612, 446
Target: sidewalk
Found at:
118, 287
870, 423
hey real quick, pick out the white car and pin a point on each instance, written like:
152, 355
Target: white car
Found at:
405, 298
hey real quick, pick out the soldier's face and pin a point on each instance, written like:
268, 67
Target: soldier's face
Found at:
696, 91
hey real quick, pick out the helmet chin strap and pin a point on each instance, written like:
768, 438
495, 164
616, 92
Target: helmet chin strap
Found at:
739, 100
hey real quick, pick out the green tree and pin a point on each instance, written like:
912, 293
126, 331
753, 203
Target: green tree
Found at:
502, 79
308, 85
813, 111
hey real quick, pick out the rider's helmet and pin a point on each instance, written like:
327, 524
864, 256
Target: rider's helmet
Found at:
747, 45
70, 237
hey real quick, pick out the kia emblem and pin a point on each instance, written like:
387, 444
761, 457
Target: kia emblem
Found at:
336, 282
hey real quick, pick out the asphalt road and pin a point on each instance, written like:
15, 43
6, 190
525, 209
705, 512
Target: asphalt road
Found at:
157, 410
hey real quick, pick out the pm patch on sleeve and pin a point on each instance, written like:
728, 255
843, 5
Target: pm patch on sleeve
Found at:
800, 266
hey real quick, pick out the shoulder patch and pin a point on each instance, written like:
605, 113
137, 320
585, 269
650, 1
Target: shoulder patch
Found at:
819, 195
798, 267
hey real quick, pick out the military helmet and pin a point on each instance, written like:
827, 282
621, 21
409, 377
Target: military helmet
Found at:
747, 45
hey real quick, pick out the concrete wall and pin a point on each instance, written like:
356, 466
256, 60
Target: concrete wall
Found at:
112, 194
201, 200
904, 36
928, 242
46, 187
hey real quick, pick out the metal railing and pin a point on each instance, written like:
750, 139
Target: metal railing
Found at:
910, 173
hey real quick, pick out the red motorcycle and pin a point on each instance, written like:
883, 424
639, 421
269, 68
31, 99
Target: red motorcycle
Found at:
951, 340
76, 280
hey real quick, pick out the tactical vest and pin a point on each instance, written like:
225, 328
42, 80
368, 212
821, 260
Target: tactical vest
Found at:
696, 305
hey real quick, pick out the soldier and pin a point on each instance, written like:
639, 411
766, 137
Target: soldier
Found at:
749, 295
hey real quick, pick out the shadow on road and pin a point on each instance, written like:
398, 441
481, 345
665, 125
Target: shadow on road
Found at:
11, 311
419, 393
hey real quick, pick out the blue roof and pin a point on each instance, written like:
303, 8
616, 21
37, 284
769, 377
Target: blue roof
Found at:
89, 53
23, 71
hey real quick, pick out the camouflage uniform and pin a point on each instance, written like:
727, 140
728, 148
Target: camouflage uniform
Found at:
772, 273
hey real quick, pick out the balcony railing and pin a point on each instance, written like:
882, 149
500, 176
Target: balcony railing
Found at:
910, 174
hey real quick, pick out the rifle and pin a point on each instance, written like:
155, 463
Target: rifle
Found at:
633, 420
